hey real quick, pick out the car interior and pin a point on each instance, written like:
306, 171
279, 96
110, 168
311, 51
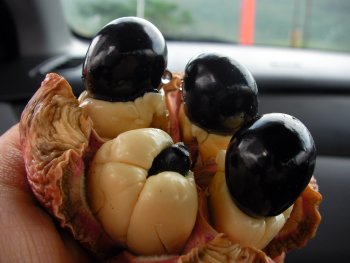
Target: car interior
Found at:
312, 85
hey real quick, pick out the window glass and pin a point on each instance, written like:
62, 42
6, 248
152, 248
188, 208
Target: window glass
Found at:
321, 24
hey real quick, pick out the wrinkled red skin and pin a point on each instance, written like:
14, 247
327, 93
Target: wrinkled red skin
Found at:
302, 224
57, 172
56, 168
58, 143
305, 217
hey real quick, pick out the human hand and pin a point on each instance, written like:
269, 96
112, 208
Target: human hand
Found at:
28, 234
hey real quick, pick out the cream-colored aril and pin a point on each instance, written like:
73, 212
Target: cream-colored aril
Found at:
209, 143
164, 215
149, 215
229, 219
112, 118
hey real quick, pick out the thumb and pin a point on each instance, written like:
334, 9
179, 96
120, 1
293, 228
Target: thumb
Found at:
27, 233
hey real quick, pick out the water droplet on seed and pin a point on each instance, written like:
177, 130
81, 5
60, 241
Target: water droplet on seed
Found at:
167, 76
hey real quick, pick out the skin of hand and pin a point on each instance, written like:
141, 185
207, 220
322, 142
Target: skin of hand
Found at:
28, 234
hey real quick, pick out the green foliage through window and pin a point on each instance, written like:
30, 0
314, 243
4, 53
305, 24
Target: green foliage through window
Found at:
320, 24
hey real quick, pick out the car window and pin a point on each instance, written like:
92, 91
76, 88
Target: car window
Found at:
321, 24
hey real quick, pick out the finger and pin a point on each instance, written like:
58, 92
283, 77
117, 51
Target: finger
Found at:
27, 232
12, 170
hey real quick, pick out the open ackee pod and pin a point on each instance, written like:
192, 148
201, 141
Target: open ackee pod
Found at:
59, 142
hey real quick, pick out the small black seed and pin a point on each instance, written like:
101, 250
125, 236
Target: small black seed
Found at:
175, 158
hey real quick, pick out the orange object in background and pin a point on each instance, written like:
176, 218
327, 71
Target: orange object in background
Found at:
247, 22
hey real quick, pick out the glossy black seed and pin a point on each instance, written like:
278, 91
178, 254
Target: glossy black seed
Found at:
175, 158
269, 164
220, 94
125, 60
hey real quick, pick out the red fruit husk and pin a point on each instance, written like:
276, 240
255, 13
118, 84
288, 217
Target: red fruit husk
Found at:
302, 224
56, 141
305, 218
